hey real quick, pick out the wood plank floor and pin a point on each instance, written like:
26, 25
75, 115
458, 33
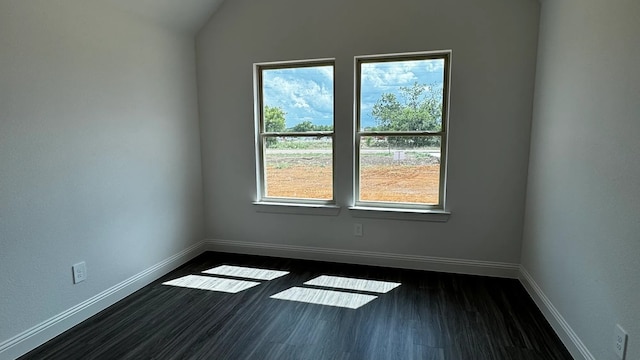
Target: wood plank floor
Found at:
430, 316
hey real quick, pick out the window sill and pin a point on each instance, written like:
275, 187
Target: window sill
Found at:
399, 214
297, 208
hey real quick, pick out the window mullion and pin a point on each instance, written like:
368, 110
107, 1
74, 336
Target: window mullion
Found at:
401, 133
299, 134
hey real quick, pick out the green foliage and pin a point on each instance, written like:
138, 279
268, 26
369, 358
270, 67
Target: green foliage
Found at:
307, 126
369, 141
274, 119
418, 109
302, 127
273, 122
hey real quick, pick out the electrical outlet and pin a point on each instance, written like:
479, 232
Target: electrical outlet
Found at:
357, 229
79, 272
620, 341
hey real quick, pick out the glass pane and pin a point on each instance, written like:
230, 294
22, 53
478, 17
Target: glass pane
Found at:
298, 99
404, 95
400, 169
299, 167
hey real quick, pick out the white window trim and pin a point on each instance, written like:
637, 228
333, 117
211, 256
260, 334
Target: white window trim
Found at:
393, 210
399, 214
296, 205
296, 208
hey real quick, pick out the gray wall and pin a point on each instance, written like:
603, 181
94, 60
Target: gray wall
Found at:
581, 238
494, 52
99, 153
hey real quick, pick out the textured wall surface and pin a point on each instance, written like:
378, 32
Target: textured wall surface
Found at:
99, 153
582, 234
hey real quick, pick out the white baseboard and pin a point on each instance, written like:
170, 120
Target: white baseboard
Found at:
48, 329
562, 328
459, 266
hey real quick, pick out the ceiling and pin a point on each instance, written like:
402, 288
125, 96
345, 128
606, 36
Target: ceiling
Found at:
188, 15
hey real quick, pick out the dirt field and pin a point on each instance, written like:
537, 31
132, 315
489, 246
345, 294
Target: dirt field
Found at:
414, 184
412, 180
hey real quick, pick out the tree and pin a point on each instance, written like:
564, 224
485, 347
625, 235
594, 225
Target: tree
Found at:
418, 109
303, 127
323, 128
274, 119
306, 126
273, 122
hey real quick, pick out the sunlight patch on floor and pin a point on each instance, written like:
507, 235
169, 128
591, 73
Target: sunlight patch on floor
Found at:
246, 272
325, 297
211, 283
340, 282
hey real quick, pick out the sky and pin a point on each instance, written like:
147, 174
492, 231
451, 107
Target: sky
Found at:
306, 93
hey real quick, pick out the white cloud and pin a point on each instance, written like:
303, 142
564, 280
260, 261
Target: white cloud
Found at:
300, 103
436, 65
327, 71
384, 75
302, 95
381, 75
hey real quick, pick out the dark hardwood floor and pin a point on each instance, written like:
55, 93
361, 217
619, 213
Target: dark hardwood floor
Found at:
430, 316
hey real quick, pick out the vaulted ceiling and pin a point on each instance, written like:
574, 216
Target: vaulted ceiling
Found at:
188, 15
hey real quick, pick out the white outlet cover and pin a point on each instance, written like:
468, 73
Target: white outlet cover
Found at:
620, 341
357, 229
79, 272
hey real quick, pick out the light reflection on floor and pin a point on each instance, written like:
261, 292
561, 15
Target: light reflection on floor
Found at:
212, 283
340, 282
300, 294
337, 298
325, 297
246, 272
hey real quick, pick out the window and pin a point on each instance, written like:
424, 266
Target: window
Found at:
294, 132
401, 130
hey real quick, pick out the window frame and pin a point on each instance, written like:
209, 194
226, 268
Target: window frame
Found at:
261, 135
358, 133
